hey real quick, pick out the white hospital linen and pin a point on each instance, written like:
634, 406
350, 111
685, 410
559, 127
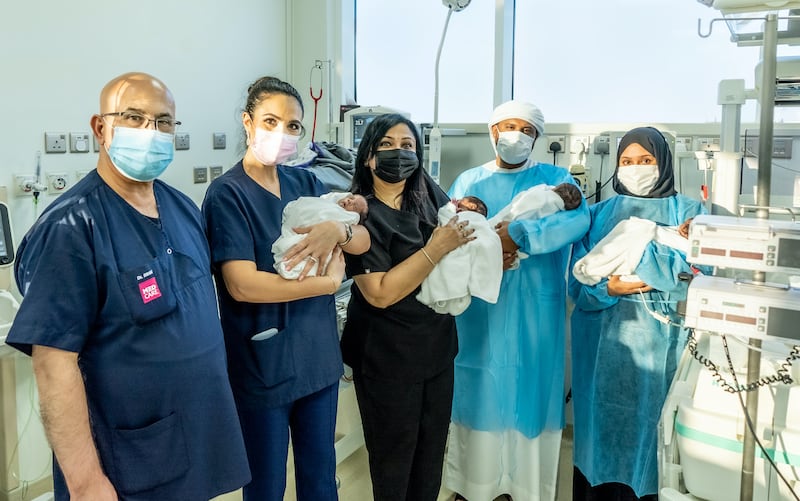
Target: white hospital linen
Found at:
619, 252
473, 270
306, 211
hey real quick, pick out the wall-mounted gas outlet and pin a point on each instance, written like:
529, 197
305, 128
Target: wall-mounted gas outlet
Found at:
26, 185
55, 142
182, 141
78, 142
216, 171
555, 144
219, 141
56, 182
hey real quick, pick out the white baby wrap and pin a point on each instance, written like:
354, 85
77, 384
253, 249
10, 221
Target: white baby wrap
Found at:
306, 211
534, 203
474, 269
619, 252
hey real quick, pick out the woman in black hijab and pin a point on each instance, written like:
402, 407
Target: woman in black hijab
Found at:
623, 357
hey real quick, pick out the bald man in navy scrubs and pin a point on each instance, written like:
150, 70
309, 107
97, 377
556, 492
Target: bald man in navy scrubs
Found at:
120, 317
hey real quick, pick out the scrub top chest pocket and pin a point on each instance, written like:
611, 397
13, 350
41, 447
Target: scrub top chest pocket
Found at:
148, 290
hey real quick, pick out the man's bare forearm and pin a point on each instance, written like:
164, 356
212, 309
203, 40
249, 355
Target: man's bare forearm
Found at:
65, 415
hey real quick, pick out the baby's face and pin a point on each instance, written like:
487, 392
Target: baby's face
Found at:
466, 204
354, 203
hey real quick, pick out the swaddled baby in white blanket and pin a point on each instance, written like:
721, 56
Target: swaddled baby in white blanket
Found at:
619, 252
474, 269
306, 211
537, 202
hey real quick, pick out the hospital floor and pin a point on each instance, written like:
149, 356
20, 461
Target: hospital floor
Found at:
353, 474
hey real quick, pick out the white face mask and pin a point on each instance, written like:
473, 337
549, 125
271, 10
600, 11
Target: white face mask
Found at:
273, 147
514, 147
638, 179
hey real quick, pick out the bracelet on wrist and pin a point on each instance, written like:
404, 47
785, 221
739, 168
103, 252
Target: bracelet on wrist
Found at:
425, 253
348, 231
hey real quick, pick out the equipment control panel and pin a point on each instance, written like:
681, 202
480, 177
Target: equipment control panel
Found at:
745, 243
726, 306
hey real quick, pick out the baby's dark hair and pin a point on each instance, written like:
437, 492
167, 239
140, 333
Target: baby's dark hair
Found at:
472, 203
570, 194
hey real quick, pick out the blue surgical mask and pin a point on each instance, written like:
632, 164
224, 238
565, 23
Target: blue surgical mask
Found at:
141, 154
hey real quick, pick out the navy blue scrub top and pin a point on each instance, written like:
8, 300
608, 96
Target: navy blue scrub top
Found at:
242, 221
406, 341
135, 299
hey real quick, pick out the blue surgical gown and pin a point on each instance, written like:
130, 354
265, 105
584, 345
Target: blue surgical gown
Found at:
509, 371
623, 359
243, 220
135, 298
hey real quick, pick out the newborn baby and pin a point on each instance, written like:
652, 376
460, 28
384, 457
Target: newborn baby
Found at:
305, 211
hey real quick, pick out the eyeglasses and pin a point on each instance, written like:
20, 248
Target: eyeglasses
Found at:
139, 121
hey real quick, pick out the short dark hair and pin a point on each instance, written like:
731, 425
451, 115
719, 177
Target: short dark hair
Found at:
480, 207
570, 194
416, 194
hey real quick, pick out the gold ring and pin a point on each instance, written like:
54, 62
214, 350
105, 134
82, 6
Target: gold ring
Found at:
313, 259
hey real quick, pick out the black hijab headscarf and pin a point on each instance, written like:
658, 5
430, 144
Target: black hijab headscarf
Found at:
654, 142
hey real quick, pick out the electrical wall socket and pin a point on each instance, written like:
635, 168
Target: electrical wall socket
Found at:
707, 144
182, 141
56, 182
80, 174
200, 175
78, 142
578, 144
219, 141
55, 142
556, 144
216, 171
601, 144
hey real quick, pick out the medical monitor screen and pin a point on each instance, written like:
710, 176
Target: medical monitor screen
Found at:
360, 123
6, 244
789, 253
783, 323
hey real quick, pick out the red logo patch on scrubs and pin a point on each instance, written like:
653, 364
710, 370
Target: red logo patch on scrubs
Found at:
149, 289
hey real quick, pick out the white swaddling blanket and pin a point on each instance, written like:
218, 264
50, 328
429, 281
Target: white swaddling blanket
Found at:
619, 252
474, 269
306, 211
534, 203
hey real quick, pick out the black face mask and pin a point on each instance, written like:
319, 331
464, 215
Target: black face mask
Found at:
394, 166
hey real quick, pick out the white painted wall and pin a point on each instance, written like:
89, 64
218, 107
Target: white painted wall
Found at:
56, 56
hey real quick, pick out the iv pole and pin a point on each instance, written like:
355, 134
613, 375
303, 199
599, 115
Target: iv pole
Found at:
765, 130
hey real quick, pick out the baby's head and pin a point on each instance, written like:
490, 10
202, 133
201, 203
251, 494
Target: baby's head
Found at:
470, 203
570, 194
355, 203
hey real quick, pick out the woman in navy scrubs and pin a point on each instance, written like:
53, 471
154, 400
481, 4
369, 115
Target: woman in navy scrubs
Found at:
401, 351
281, 337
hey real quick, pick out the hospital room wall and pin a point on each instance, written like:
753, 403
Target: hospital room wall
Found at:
59, 55
56, 58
